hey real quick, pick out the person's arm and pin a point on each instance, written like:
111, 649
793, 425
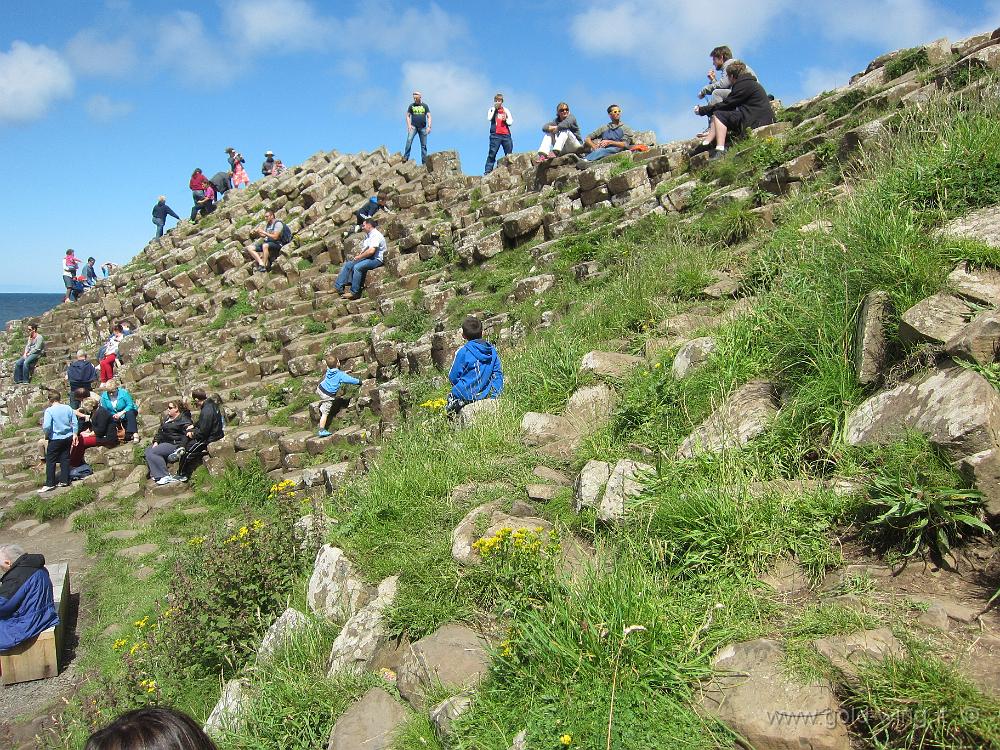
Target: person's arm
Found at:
367, 250
276, 234
551, 126
170, 212
409, 122
509, 116
351, 380
489, 115
590, 141
10, 606
629, 136
47, 424
428, 121
457, 367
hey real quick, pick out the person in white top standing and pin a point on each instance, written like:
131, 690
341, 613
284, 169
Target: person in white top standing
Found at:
371, 255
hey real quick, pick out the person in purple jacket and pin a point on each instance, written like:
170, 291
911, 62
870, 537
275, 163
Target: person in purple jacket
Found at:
27, 605
476, 373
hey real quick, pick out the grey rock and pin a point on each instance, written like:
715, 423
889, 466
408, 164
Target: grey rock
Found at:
983, 470
552, 475
980, 285
281, 632
227, 716
520, 741
445, 712
464, 534
589, 486
753, 696
679, 198
743, 416
934, 320
847, 652
477, 411
691, 356
623, 485
140, 550
870, 343
370, 724
335, 590
590, 407
786, 577
542, 492
453, 655
524, 222
957, 409
541, 429
982, 225
609, 364
979, 341
358, 644
533, 286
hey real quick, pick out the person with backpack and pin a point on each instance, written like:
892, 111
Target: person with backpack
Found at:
328, 391
371, 255
476, 373
274, 235
160, 213
500, 121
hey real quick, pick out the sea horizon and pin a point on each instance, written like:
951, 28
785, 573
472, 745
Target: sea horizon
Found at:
17, 305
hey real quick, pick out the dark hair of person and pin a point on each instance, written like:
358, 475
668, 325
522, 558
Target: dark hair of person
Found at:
611, 107
472, 328
54, 396
118, 328
736, 69
559, 106
181, 406
724, 52
370, 220
80, 393
198, 394
32, 326
196, 171
151, 729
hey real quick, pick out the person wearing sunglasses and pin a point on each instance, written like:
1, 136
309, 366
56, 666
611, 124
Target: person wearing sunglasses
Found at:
608, 139
562, 135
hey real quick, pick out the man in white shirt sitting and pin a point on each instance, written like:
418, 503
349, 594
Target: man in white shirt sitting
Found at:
372, 255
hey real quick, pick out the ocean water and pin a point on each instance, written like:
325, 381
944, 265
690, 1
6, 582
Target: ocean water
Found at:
16, 305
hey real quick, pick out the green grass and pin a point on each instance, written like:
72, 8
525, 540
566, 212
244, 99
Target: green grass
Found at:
150, 353
46, 508
228, 315
914, 58
410, 319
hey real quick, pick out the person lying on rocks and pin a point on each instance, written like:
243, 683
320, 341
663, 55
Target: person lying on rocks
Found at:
372, 206
169, 440
97, 427
60, 426
719, 84
27, 603
328, 391
371, 255
476, 373
608, 139
158, 728
562, 135
118, 401
747, 106
266, 249
34, 347
80, 374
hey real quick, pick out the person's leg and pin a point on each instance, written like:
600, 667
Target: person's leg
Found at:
19, 371
344, 277
194, 212
29, 367
409, 144
325, 405
254, 253
78, 453
51, 451
721, 131
156, 459
131, 421
107, 368
599, 153
422, 132
159, 228
63, 457
547, 145
361, 269
507, 142
491, 155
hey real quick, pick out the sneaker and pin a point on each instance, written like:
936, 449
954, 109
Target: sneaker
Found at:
323, 433
717, 154
65, 484
179, 478
135, 437
46, 488
165, 480
175, 456
260, 269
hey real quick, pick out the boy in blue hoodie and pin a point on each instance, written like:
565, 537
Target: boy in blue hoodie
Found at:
475, 374
327, 391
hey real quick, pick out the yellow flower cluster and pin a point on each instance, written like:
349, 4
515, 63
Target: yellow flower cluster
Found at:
286, 485
196, 541
142, 623
507, 649
120, 644
137, 647
148, 685
434, 404
522, 540
566, 740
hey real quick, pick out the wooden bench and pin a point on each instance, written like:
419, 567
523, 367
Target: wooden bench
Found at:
41, 656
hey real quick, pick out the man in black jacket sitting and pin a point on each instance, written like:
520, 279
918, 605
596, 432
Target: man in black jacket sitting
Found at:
80, 373
747, 106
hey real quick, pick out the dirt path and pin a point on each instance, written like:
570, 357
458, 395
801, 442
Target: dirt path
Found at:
26, 708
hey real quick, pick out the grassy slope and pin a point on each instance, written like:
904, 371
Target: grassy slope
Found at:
685, 569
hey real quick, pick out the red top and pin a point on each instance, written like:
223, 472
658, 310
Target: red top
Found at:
197, 182
502, 128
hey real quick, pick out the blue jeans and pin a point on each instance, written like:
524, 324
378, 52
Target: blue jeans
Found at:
23, 368
496, 141
600, 153
353, 272
422, 132
159, 227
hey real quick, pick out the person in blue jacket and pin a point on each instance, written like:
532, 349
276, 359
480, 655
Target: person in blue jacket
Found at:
119, 402
476, 373
328, 391
27, 606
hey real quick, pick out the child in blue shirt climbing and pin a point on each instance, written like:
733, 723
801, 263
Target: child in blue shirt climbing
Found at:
328, 390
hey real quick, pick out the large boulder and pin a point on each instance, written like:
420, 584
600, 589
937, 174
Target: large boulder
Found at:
371, 723
956, 408
934, 320
590, 407
533, 286
336, 591
524, 222
623, 485
589, 487
979, 341
753, 695
452, 656
357, 645
541, 429
982, 225
743, 416
609, 364
981, 285
490, 516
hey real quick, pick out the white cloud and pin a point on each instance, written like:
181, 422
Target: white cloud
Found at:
104, 109
183, 45
817, 80
672, 36
31, 79
275, 24
433, 31
90, 54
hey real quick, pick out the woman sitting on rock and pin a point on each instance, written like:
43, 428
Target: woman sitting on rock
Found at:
118, 401
170, 439
98, 428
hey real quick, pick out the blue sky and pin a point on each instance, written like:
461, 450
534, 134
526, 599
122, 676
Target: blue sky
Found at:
104, 105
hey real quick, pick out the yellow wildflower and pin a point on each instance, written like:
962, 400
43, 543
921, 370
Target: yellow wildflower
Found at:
566, 740
257, 524
196, 540
141, 623
657, 366
243, 531
149, 685
120, 644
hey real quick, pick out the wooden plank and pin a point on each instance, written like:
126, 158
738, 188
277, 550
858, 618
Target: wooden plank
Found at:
41, 657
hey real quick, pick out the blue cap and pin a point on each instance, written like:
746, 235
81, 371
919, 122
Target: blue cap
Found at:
373, 199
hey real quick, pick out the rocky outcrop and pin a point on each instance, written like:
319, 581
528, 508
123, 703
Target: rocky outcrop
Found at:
453, 656
336, 591
370, 724
743, 416
357, 646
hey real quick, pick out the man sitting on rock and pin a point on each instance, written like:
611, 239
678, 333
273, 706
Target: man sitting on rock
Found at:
747, 106
371, 255
719, 84
27, 605
80, 373
33, 349
475, 374
608, 139
272, 238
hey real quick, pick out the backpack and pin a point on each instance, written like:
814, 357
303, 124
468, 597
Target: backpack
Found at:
286, 234
79, 472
